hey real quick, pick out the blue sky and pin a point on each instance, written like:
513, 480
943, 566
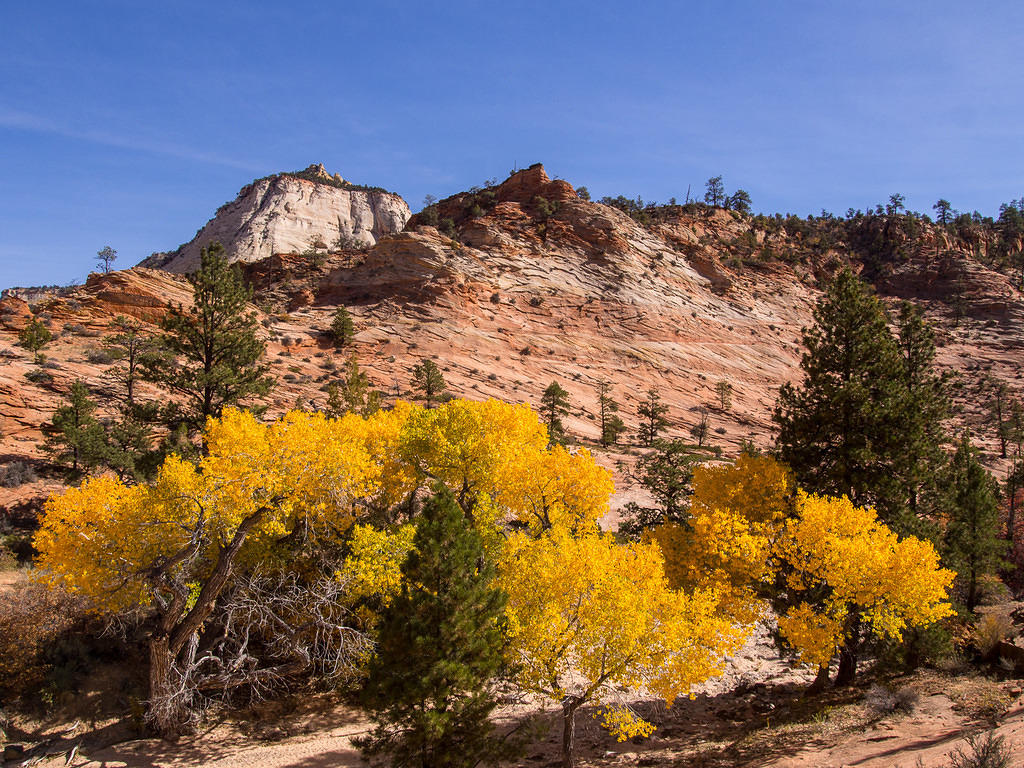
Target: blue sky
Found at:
125, 123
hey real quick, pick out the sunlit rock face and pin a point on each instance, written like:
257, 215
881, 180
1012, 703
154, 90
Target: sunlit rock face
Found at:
285, 213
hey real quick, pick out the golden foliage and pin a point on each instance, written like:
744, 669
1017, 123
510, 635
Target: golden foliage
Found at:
735, 517
104, 539
587, 616
749, 523
374, 566
850, 561
499, 452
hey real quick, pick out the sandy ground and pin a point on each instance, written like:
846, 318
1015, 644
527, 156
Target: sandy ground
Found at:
757, 714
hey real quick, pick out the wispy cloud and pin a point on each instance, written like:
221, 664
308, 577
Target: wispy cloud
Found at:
28, 122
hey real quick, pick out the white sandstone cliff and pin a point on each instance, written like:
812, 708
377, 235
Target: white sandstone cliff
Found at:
285, 213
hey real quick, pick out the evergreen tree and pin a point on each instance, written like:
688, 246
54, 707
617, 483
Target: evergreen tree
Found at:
714, 191
427, 379
943, 212
667, 474
611, 425
739, 201
919, 461
700, 430
33, 337
1014, 484
215, 355
342, 328
129, 451
724, 391
440, 645
652, 417
1000, 410
133, 348
840, 428
972, 546
354, 395
75, 437
554, 404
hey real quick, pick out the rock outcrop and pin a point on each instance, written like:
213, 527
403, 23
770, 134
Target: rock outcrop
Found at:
286, 213
530, 284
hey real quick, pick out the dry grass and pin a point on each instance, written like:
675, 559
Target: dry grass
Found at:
992, 629
979, 698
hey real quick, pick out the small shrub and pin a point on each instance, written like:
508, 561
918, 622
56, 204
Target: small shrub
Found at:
39, 376
73, 328
495, 298
98, 355
16, 473
882, 701
536, 301
992, 629
985, 751
33, 619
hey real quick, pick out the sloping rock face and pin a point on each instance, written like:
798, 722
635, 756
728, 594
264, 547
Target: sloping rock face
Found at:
285, 213
537, 286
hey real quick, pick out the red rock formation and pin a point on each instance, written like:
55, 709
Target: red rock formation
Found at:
522, 297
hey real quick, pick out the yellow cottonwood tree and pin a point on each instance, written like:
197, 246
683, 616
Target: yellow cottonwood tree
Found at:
554, 487
465, 444
174, 546
587, 616
847, 573
835, 569
498, 452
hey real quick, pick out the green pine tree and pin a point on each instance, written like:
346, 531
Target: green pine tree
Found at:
840, 428
132, 347
439, 647
652, 417
724, 391
919, 460
701, 428
353, 395
427, 379
972, 546
342, 328
554, 404
999, 411
611, 425
33, 337
75, 437
667, 474
129, 449
215, 355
